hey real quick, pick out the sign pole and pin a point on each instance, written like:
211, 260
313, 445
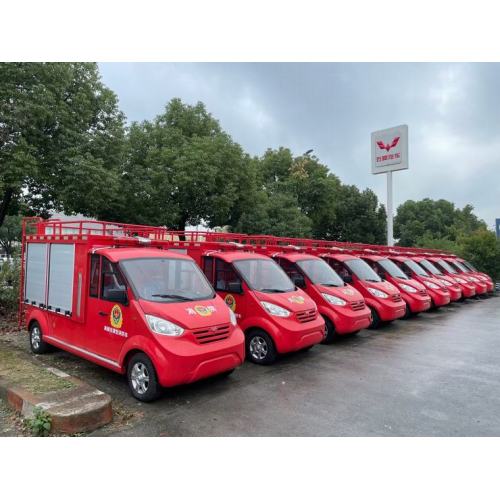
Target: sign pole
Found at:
390, 236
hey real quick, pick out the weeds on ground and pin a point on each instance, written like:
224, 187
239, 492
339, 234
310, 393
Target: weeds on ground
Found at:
40, 423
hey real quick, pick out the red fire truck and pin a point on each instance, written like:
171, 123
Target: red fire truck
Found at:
412, 291
467, 286
341, 305
439, 294
100, 291
482, 276
482, 286
452, 286
276, 316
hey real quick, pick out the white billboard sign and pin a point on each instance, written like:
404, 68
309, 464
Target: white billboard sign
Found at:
390, 149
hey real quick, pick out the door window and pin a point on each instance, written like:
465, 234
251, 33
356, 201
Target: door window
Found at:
94, 275
111, 279
226, 278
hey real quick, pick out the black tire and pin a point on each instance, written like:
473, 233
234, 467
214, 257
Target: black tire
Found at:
375, 319
38, 346
408, 312
260, 348
142, 378
331, 334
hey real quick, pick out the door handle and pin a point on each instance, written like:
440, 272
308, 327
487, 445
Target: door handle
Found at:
102, 313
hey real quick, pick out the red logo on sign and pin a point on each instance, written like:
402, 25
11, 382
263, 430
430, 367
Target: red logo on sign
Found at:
388, 146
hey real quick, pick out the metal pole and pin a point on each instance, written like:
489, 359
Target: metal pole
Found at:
390, 237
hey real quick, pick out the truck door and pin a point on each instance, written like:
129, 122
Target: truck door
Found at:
226, 282
108, 320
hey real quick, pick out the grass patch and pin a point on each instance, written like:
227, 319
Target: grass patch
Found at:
17, 370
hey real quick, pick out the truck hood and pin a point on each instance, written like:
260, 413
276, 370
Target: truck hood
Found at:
189, 315
347, 292
411, 282
294, 301
383, 286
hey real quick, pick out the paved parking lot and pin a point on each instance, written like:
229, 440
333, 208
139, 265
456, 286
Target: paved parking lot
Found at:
434, 375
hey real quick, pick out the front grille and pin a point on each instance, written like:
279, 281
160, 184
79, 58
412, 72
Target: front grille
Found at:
211, 334
423, 292
396, 297
306, 316
358, 305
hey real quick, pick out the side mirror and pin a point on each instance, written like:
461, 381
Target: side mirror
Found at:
234, 287
116, 295
347, 279
299, 281
383, 275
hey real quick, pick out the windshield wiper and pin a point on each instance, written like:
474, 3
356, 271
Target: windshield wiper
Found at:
273, 290
330, 284
372, 280
172, 296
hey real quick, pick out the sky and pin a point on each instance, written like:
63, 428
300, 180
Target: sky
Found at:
452, 112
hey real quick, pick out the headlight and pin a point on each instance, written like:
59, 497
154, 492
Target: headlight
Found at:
378, 293
431, 285
474, 280
275, 310
445, 283
460, 280
334, 300
232, 317
163, 327
408, 288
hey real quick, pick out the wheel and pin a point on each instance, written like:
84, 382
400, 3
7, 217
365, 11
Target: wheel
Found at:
407, 312
330, 335
142, 378
260, 348
375, 319
38, 346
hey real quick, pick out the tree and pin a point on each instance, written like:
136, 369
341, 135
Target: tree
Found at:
482, 249
10, 234
427, 219
61, 137
182, 169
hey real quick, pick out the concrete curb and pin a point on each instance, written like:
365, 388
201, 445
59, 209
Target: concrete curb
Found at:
81, 409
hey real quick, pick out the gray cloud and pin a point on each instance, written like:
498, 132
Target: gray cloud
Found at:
452, 111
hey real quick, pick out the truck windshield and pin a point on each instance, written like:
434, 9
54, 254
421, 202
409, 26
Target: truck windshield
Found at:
362, 270
264, 275
430, 267
460, 266
392, 269
319, 272
446, 266
420, 271
469, 266
167, 280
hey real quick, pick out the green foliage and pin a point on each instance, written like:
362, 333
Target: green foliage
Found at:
61, 137
417, 221
9, 286
10, 235
482, 249
181, 169
40, 423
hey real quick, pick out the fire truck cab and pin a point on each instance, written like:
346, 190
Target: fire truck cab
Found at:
341, 305
99, 291
439, 294
383, 298
452, 286
412, 291
466, 285
276, 316
481, 285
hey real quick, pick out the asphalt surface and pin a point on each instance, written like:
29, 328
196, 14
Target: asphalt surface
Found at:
437, 374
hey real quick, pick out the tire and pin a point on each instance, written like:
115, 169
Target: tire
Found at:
260, 348
331, 334
38, 346
375, 320
142, 378
407, 312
